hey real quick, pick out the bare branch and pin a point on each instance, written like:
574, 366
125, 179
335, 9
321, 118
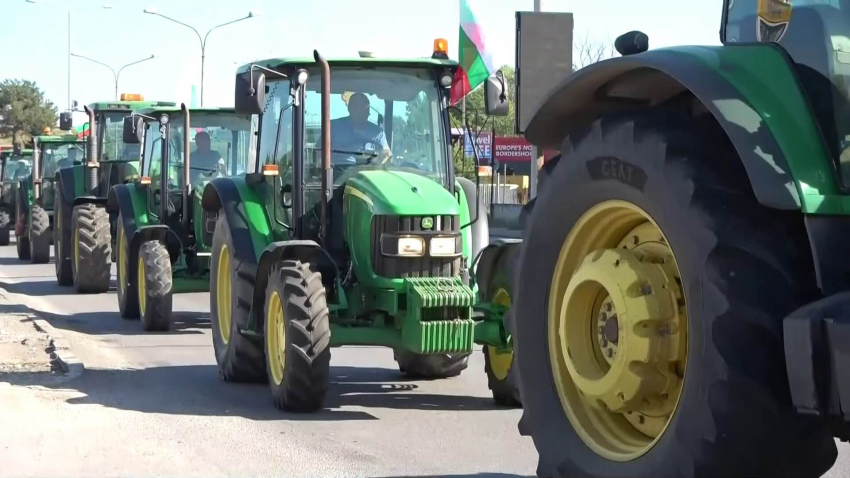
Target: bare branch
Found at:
587, 51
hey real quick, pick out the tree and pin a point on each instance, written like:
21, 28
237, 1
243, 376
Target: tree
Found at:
587, 51
23, 110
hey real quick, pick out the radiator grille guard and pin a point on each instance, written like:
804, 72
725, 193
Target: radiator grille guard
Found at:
404, 267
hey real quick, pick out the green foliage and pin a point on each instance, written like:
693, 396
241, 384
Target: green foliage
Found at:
23, 110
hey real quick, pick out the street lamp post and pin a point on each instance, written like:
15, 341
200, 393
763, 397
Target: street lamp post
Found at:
115, 74
40, 2
203, 39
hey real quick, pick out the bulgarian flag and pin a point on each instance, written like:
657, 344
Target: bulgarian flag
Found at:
476, 63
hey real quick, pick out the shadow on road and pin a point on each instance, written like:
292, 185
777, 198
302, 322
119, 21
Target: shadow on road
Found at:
197, 390
472, 475
41, 288
14, 261
108, 323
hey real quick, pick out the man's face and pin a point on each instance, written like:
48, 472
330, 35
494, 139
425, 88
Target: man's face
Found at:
203, 141
358, 108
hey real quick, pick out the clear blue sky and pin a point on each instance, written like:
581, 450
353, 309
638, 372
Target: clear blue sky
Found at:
34, 37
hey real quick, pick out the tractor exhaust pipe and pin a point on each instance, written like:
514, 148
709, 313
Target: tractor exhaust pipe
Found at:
327, 171
92, 161
187, 181
36, 172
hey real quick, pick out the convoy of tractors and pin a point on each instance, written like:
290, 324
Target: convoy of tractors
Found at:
677, 306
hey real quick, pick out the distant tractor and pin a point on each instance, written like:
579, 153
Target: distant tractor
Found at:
35, 194
681, 304
14, 166
164, 236
350, 228
85, 232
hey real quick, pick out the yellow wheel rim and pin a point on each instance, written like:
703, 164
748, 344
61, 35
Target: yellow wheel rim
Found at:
122, 261
223, 294
617, 330
143, 292
500, 363
276, 338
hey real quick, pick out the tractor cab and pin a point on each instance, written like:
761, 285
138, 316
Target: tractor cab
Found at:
816, 35
15, 164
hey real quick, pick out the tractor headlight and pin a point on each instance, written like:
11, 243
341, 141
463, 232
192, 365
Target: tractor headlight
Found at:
411, 246
443, 246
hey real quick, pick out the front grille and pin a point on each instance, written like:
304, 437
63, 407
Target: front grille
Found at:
425, 266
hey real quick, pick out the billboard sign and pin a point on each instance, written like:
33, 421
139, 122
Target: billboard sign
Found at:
484, 142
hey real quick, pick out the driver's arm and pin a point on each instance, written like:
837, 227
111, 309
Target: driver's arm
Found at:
386, 153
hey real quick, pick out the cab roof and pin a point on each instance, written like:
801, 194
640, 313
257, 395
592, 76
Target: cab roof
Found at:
284, 62
176, 109
55, 138
127, 105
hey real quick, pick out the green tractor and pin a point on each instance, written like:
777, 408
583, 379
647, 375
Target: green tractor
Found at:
164, 236
349, 229
86, 231
681, 303
14, 166
35, 194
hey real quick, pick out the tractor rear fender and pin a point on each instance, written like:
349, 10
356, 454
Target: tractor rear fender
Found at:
751, 90
245, 213
127, 200
67, 180
305, 251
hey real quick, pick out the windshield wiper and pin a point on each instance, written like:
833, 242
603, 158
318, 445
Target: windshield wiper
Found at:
361, 153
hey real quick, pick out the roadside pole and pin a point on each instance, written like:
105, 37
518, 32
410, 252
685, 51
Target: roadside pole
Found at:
535, 157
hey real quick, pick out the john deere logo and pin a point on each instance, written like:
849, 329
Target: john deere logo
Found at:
427, 223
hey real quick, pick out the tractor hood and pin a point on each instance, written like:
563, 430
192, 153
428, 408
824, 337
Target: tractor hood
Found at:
401, 193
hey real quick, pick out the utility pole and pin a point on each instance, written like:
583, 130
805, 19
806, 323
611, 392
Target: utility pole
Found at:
535, 158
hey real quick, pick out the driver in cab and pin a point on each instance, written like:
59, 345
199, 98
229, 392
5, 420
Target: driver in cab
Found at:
354, 135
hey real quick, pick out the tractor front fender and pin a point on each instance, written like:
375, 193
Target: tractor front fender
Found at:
89, 200
305, 251
751, 90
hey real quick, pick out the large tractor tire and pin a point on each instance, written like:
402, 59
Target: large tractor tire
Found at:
5, 226
62, 246
430, 366
239, 358
127, 283
297, 337
154, 286
648, 236
39, 235
91, 266
502, 375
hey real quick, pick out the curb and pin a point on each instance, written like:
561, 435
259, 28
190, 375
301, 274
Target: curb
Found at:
62, 356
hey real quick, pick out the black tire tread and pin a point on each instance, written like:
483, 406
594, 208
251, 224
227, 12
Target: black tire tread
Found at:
431, 366
158, 286
242, 359
754, 268
62, 245
128, 301
308, 353
92, 222
39, 235
5, 222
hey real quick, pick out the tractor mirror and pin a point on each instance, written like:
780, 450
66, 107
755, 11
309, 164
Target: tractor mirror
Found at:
133, 129
496, 96
250, 92
66, 122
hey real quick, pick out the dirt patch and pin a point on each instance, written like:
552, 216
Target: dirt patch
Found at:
23, 348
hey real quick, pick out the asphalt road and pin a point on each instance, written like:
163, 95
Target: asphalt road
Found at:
152, 403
